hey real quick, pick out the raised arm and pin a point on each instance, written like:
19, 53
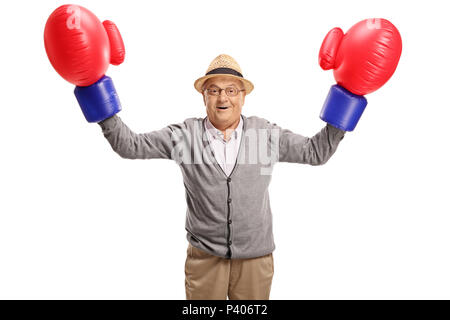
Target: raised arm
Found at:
316, 150
131, 145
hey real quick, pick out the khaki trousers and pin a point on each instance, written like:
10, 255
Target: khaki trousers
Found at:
210, 277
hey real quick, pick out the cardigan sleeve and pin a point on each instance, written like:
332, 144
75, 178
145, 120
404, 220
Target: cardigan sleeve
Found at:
316, 150
131, 145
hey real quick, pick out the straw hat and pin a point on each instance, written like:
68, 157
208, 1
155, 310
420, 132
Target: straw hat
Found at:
223, 65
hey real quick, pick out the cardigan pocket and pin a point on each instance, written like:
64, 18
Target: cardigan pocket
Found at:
192, 235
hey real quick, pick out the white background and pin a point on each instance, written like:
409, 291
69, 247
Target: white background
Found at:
79, 222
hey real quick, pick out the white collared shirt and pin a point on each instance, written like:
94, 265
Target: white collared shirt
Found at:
225, 152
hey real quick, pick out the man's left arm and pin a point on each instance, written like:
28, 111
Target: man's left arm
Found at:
316, 150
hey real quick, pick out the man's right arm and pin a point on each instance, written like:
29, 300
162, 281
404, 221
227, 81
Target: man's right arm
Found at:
131, 145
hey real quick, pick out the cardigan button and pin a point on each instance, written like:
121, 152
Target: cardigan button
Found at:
229, 221
228, 180
229, 242
229, 200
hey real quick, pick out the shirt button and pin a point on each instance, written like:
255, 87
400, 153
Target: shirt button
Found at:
229, 200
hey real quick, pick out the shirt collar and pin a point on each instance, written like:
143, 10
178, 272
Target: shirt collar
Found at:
216, 133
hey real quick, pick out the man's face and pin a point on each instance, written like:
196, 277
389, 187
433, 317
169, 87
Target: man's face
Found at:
220, 116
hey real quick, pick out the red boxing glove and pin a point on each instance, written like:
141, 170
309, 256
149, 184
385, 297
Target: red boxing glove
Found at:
79, 46
365, 57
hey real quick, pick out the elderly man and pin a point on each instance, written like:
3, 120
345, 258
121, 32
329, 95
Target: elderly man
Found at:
224, 156
228, 218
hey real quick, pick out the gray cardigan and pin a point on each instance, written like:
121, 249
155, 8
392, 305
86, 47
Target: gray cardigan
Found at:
227, 216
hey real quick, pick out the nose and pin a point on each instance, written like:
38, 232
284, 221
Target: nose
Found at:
223, 96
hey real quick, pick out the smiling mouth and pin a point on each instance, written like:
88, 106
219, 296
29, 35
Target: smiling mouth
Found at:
222, 108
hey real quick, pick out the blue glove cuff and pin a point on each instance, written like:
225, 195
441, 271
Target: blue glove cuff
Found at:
98, 101
342, 109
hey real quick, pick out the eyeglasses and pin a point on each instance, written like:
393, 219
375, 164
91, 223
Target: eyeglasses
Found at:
230, 91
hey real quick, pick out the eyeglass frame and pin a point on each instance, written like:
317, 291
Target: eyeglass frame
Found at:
220, 91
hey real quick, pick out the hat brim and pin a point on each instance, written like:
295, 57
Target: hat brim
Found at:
200, 81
